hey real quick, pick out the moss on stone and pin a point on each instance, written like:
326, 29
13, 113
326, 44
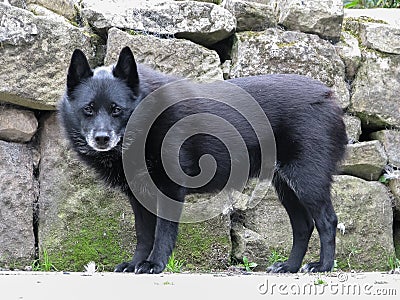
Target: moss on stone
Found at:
283, 45
365, 19
360, 260
202, 248
133, 32
89, 226
99, 237
73, 23
81, 220
397, 249
246, 35
98, 243
95, 237
351, 26
353, 34
371, 121
396, 238
218, 2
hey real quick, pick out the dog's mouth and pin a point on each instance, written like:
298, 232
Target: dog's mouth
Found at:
102, 141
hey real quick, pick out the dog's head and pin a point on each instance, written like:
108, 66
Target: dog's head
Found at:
98, 103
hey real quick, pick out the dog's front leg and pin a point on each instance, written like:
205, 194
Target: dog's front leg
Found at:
145, 224
166, 232
164, 243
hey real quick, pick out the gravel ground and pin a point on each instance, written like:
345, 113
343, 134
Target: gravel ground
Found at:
76, 286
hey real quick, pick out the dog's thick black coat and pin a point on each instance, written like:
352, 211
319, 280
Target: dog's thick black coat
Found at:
307, 125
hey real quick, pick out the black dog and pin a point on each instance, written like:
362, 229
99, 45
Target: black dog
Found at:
309, 134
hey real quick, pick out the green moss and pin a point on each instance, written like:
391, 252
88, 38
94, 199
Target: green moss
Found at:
92, 223
277, 255
133, 32
396, 238
73, 23
352, 26
283, 45
375, 259
341, 264
95, 240
14, 263
343, 40
352, 33
246, 35
89, 227
94, 38
371, 121
365, 19
397, 249
201, 248
218, 2
378, 53
33, 11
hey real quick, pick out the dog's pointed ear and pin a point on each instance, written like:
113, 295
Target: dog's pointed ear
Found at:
78, 70
126, 69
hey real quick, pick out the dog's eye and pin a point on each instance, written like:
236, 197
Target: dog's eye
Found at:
88, 110
116, 110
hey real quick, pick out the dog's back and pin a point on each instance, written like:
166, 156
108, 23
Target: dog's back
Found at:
304, 116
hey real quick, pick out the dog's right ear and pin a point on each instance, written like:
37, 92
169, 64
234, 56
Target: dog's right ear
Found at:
126, 69
78, 70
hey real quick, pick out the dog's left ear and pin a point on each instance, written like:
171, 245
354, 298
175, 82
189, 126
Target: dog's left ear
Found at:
78, 70
126, 69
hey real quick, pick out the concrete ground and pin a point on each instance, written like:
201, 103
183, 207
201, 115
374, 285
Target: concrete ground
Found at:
76, 286
391, 16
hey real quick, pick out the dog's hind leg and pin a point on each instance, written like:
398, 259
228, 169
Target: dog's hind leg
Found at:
302, 227
326, 222
312, 187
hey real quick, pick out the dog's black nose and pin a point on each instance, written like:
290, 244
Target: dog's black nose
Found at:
102, 138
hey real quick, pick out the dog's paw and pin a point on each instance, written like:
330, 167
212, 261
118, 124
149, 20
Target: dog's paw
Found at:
148, 267
128, 267
315, 267
282, 267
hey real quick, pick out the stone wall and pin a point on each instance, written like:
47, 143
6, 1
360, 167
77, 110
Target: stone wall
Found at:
50, 202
